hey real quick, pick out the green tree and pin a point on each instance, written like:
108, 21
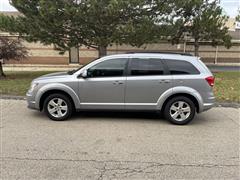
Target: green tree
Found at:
11, 49
93, 23
106, 21
238, 16
203, 20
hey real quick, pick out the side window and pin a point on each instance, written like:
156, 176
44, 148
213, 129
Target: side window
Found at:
146, 67
108, 68
177, 67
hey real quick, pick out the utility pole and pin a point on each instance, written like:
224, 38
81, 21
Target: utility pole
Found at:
216, 56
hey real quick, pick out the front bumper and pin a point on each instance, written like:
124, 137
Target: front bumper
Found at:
31, 103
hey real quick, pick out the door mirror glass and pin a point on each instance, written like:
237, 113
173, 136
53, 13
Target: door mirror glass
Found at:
84, 74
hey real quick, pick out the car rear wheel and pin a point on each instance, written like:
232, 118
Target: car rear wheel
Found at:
58, 107
180, 110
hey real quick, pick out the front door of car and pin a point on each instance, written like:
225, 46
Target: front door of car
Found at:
104, 86
147, 80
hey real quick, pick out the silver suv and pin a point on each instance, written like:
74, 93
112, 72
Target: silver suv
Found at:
176, 84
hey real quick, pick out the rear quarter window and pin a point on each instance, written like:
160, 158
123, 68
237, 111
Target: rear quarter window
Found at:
179, 67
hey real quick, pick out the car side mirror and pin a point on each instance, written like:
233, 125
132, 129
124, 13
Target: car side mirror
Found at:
84, 74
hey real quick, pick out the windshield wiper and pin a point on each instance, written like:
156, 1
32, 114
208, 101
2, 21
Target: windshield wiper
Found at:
75, 70
72, 72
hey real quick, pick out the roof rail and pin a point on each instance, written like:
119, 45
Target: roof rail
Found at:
162, 52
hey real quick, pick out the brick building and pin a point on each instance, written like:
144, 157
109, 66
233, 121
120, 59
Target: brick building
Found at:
42, 54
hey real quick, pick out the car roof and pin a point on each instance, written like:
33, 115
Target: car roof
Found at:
154, 55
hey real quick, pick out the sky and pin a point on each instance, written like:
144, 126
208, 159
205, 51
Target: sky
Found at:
230, 6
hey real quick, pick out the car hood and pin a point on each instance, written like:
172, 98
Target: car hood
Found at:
53, 75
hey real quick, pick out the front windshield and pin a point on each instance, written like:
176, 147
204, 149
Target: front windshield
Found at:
71, 72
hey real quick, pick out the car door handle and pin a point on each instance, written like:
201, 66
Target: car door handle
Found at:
164, 81
117, 82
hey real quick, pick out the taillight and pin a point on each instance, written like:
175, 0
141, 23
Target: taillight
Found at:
210, 80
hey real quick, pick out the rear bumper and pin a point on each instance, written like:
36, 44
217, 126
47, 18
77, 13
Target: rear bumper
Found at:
207, 106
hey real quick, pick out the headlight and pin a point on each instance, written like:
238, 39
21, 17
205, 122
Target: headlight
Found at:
32, 87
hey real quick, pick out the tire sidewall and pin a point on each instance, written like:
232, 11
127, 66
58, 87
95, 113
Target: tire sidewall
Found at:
172, 101
61, 96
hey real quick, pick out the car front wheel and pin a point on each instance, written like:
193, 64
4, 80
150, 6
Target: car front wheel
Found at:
180, 110
58, 107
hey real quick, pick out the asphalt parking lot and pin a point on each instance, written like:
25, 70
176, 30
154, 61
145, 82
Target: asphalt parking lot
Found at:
94, 145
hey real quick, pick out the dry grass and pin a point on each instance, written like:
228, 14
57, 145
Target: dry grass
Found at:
227, 86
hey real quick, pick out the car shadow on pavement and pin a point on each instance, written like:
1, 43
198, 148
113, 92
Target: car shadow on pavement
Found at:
118, 115
133, 116
124, 116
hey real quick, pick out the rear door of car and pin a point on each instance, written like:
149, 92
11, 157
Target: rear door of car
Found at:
187, 74
184, 74
147, 80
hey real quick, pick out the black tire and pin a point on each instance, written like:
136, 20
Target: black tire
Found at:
175, 100
66, 101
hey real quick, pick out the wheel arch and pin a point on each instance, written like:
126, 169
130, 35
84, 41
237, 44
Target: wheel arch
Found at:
181, 91
44, 92
193, 99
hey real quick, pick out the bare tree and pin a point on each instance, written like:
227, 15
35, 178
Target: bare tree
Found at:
11, 49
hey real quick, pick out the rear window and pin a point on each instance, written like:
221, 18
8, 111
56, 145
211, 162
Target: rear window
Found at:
204, 66
177, 67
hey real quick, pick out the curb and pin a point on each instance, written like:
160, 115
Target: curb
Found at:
223, 64
13, 97
217, 104
227, 104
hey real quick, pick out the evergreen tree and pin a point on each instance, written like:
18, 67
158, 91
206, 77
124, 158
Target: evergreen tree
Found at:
238, 16
203, 20
93, 23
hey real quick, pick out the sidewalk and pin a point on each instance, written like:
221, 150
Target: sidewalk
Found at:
39, 67
223, 64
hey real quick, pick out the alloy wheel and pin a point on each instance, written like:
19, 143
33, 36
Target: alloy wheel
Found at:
57, 107
180, 110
